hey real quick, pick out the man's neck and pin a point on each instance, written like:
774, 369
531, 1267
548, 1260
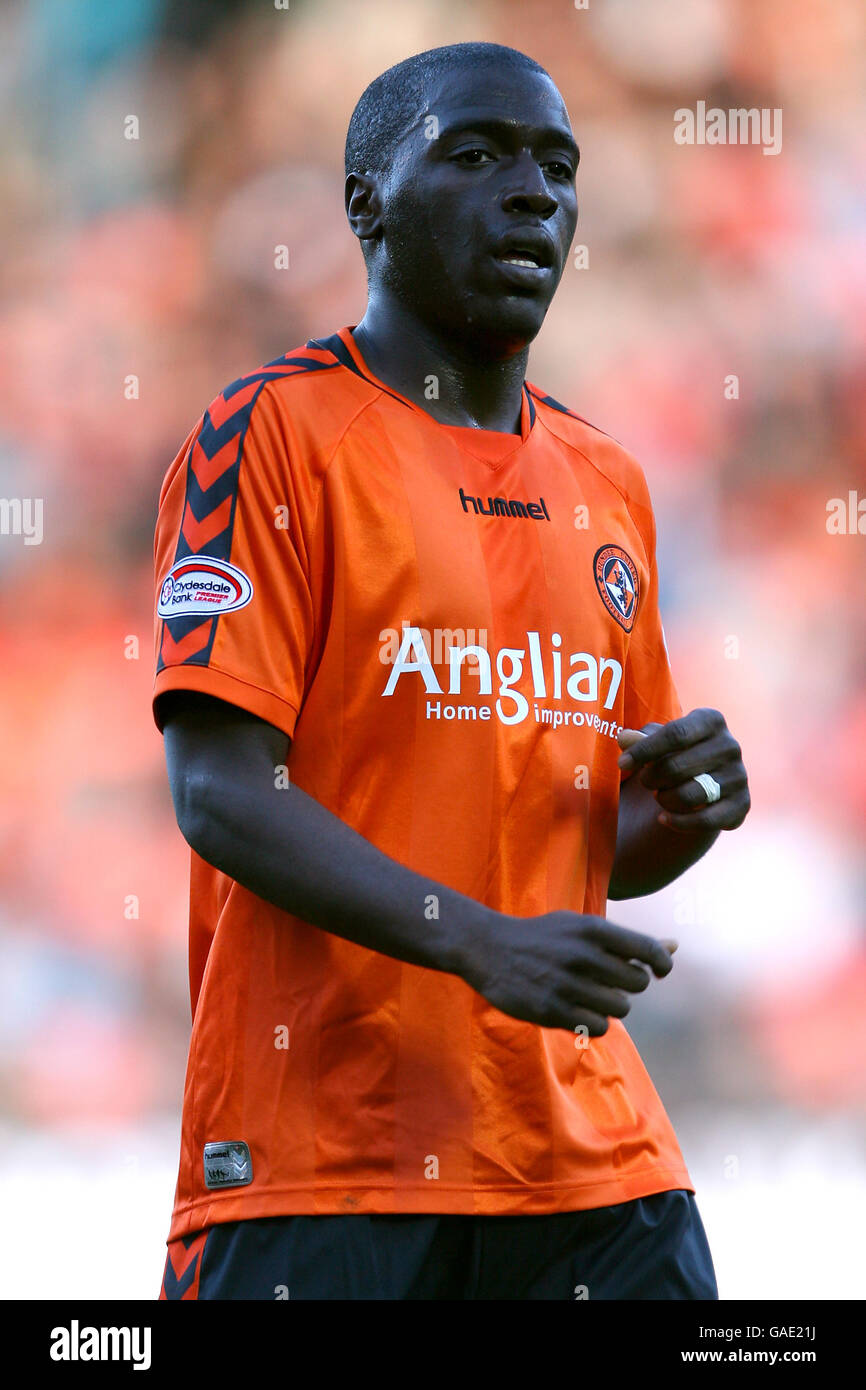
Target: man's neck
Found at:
416, 361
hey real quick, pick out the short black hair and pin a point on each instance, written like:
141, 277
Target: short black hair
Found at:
396, 98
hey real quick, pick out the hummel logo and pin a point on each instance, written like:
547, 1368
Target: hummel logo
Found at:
500, 506
227, 1165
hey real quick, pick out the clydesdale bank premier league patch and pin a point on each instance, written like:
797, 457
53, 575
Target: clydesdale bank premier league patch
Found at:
618, 583
201, 586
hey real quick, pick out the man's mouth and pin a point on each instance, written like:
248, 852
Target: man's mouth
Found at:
522, 270
524, 258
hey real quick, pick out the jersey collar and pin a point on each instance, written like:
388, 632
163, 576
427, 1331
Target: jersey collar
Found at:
490, 446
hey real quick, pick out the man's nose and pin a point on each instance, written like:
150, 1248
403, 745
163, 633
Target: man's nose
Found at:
527, 190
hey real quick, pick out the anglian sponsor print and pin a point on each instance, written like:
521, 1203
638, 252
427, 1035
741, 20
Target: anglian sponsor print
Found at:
587, 679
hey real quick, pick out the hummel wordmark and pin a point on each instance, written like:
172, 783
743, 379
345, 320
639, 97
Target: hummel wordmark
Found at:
500, 506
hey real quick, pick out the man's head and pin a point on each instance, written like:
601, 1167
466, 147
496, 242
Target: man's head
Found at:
459, 162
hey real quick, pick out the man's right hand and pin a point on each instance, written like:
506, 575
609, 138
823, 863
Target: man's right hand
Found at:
563, 969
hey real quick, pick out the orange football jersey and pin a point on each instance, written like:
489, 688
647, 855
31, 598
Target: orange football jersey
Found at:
451, 625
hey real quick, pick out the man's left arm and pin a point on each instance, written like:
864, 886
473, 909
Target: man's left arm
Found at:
666, 820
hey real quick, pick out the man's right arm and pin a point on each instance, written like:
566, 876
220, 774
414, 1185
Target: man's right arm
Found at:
562, 969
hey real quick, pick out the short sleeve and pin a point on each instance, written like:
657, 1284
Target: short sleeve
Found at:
234, 610
650, 693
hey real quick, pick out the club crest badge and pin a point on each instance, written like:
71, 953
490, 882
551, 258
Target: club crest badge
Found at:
617, 581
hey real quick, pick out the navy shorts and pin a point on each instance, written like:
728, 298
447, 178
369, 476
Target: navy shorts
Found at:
654, 1247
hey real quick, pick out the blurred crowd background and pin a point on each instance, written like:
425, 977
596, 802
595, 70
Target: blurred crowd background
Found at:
138, 279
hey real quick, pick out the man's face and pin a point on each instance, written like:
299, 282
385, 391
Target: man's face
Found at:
488, 184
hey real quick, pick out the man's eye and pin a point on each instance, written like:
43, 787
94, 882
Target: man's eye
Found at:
559, 168
473, 156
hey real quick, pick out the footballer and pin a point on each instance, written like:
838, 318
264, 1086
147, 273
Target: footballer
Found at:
420, 726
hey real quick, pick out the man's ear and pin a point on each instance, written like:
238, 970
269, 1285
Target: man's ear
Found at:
363, 205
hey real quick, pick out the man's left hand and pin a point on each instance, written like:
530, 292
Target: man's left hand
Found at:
670, 756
